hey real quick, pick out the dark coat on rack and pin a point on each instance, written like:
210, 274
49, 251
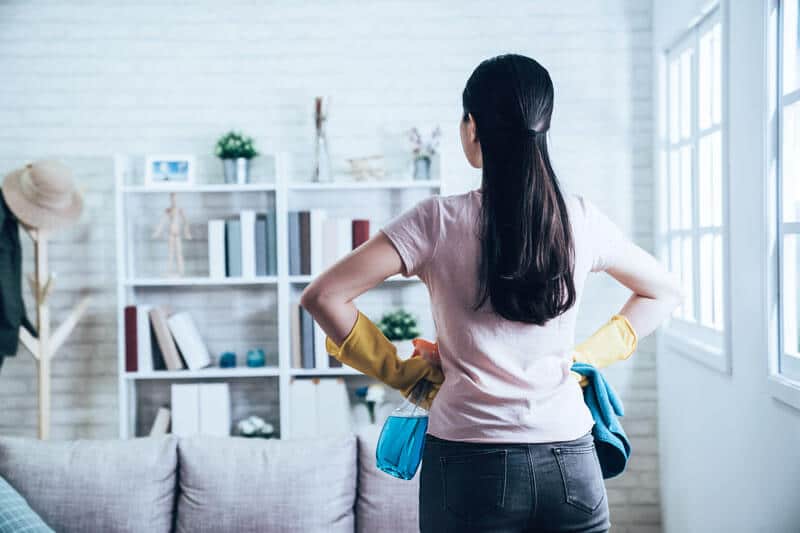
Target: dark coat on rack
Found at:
12, 307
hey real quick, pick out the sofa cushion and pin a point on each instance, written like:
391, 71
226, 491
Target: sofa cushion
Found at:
267, 485
95, 485
15, 513
385, 503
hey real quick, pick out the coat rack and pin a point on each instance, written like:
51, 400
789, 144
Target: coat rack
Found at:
46, 345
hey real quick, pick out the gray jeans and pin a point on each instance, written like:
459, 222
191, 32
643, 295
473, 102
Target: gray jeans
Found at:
519, 487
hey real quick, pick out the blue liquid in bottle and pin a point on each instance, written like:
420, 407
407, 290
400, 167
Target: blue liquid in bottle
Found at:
402, 439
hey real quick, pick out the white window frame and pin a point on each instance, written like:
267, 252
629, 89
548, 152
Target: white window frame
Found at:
782, 385
706, 345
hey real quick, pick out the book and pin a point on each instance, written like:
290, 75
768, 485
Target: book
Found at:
200, 408
303, 402
188, 339
131, 339
316, 238
320, 352
294, 327
294, 243
307, 338
161, 423
215, 409
233, 247
216, 248
305, 245
169, 350
261, 244
185, 409
144, 339
272, 244
247, 223
333, 407
360, 231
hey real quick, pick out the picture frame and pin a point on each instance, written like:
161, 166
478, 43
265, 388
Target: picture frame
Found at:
169, 170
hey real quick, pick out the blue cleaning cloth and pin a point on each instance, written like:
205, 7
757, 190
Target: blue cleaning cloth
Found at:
613, 447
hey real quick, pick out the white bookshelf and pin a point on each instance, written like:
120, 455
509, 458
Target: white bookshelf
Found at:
281, 191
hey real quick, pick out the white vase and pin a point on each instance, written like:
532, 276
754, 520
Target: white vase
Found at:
404, 348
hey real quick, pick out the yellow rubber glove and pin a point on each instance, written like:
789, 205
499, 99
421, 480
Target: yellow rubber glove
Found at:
367, 349
614, 341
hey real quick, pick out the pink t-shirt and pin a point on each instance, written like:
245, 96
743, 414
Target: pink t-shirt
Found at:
505, 381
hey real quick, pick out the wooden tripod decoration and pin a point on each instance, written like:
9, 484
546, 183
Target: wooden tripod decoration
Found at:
45, 346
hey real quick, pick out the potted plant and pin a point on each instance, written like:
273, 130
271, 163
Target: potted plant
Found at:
423, 149
236, 151
400, 327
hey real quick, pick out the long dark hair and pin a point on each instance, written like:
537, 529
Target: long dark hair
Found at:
527, 249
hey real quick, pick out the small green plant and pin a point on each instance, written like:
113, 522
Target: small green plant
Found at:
399, 325
234, 145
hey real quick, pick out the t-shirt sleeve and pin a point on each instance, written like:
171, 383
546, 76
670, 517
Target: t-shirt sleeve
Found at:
605, 236
415, 233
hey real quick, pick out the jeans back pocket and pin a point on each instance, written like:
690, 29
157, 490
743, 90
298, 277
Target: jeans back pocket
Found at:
582, 476
474, 483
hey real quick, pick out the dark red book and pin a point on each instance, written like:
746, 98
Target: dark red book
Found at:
131, 347
360, 231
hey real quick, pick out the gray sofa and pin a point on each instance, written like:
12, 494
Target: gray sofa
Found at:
204, 484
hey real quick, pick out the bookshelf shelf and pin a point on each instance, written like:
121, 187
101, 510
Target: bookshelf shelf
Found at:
236, 372
240, 313
190, 281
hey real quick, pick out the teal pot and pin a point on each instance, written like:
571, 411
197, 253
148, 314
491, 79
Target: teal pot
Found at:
237, 170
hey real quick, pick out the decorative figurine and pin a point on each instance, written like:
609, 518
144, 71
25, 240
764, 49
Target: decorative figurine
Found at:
177, 225
322, 162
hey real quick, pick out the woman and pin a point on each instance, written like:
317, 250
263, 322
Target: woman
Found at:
509, 444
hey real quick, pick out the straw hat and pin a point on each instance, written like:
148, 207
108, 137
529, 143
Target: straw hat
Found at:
41, 194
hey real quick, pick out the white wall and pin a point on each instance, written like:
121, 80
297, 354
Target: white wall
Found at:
91, 78
730, 452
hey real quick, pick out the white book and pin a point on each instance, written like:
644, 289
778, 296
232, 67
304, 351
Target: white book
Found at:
320, 352
185, 407
215, 409
248, 221
344, 240
333, 407
303, 408
317, 218
161, 423
329, 246
216, 248
144, 345
189, 341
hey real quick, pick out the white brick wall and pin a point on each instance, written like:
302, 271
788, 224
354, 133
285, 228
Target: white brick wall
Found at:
87, 79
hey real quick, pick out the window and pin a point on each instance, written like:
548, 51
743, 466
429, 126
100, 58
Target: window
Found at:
788, 188
693, 222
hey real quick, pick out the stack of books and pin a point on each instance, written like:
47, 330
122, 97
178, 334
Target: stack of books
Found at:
319, 407
316, 240
243, 245
156, 339
308, 341
200, 408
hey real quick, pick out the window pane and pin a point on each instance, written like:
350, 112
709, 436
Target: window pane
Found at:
790, 163
716, 94
718, 283
791, 42
674, 101
675, 267
688, 282
686, 187
710, 180
686, 93
791, 294
706, 284
674, 189
705, 84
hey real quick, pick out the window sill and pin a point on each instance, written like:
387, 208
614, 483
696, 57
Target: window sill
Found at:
784, 389
710, 355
